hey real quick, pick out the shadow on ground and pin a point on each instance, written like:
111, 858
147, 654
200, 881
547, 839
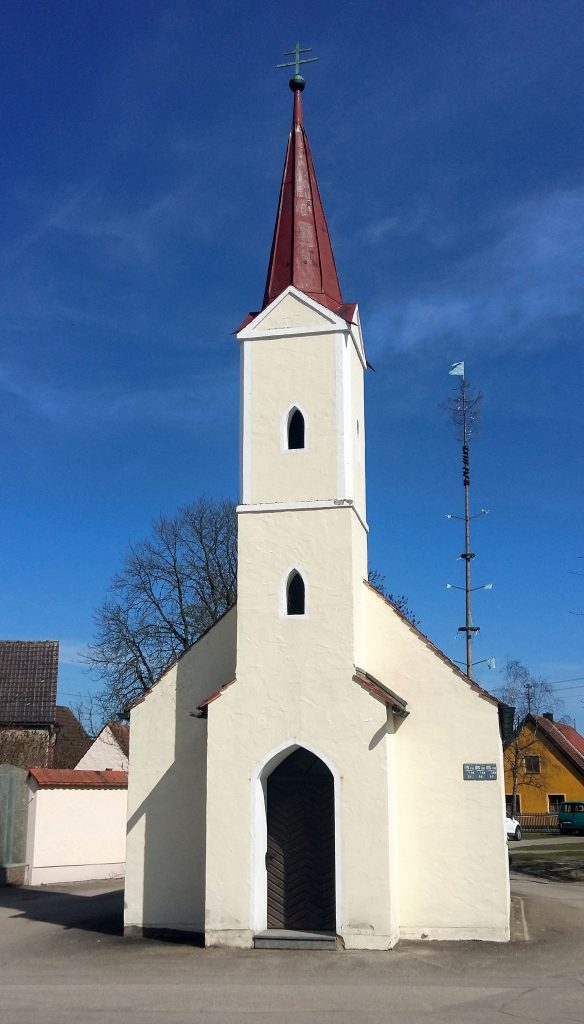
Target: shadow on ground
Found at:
102, 913
569, 869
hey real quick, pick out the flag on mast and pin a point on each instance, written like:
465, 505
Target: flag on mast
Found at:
456, 370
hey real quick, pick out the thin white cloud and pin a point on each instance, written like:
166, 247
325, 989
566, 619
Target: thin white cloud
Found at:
70, 651
527, 286
135, 234
189, 401
380, 229
44, 400
90, 213
52, 219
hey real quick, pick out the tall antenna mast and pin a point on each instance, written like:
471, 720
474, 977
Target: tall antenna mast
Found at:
464, 410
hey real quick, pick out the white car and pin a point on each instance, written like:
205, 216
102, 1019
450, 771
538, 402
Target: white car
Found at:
513, 827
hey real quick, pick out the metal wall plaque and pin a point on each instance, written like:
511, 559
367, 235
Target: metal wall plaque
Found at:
479, 772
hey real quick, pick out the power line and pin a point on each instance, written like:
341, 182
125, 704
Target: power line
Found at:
576, 679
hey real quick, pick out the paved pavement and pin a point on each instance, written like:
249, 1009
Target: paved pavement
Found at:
64, 961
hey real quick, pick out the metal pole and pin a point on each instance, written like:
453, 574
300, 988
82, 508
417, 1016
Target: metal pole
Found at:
468, 555
464, 414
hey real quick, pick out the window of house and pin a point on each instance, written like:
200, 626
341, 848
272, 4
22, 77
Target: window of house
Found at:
295, 594
295, 429
554, 801
509, 803
532, 765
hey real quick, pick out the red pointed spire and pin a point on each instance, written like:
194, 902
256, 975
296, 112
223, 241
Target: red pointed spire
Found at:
301, 253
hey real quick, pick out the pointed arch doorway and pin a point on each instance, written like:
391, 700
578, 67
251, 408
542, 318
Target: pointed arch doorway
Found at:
300, 857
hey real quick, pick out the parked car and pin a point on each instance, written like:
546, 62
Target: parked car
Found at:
513, 827
571, 818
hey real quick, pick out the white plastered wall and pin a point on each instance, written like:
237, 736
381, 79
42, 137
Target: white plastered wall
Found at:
303, 473
165, 874
75, 833
105, 752
295, 688
453, 862
357, 424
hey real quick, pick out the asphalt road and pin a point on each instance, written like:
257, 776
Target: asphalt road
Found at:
64, 961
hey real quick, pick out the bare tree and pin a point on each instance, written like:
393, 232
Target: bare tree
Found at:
25, 748
173, 585
528, 695
377, 580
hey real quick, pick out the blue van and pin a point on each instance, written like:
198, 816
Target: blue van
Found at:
571, 818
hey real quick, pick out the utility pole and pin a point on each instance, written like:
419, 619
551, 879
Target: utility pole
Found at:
464, 411
468, 555
529, 695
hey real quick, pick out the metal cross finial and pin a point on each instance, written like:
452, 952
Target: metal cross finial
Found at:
297, 62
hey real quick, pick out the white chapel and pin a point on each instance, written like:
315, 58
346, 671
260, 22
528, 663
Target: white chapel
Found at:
313, 770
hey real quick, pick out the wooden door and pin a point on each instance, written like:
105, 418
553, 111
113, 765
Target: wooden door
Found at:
300, 859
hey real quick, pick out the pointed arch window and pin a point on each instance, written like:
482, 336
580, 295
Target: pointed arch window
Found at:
295, 594
295, 429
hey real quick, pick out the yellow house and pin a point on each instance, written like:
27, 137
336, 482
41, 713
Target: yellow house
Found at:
546, 760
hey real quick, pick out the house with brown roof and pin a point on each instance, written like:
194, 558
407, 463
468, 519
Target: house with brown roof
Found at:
71, 739
546, 760
28, 690
109, 750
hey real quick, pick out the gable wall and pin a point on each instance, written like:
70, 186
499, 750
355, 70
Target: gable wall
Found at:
450, 833
165, 872
291, 311
104, 752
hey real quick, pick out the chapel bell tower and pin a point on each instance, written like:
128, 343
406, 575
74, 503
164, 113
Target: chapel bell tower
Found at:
302, 440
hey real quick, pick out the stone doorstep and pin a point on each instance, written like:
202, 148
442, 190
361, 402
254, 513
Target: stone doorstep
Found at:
283, 938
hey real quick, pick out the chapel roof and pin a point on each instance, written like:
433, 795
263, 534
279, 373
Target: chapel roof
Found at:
213, 696
381, 692
302, 254
28, 681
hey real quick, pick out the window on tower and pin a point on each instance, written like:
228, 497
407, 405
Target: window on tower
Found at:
295, 594
295, 429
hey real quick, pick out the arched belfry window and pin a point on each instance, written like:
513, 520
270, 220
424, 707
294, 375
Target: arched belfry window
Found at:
295, 429
295, 594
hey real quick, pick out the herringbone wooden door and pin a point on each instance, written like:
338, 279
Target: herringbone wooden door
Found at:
300, 859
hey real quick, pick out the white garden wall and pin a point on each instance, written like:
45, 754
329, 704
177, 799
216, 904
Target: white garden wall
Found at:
75, 833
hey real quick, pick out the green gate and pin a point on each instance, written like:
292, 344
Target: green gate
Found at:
13, 822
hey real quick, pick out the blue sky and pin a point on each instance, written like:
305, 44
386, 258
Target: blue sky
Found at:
143, 147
